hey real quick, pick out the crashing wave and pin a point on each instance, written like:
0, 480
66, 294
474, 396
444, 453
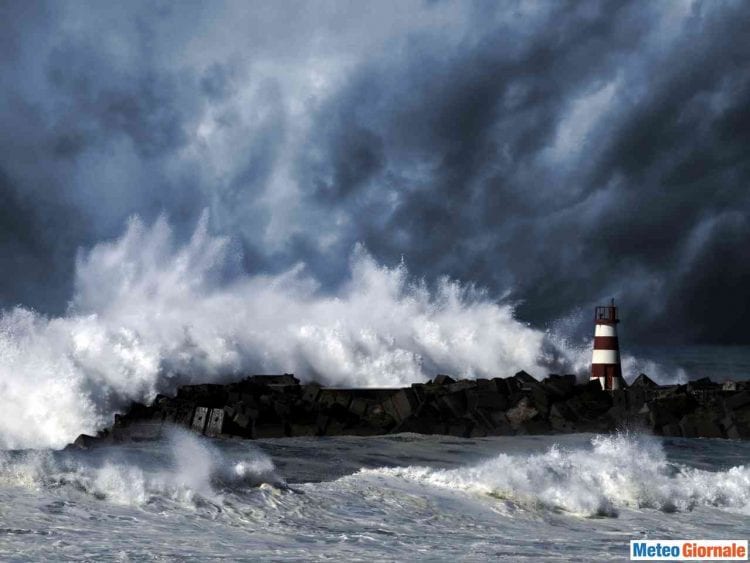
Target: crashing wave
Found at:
619, 471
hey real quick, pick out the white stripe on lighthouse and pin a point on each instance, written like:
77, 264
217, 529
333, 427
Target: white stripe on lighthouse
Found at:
605, 357
605, 330
599, 379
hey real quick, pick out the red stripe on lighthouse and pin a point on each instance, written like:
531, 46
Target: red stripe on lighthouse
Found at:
606, 343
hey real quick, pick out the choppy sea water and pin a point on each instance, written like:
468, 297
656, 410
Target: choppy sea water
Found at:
678, 364
393, 498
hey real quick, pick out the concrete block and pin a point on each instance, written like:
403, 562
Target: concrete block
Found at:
486, 398
403, 404
243, 420
443, 380
215, 424
200, 418
327, 397
701, 425
358, 406
461, 385
453, 405
672, 429
344, 398
521, 413
738, 400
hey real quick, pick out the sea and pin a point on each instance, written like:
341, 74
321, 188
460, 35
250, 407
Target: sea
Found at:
404, 497
683, 363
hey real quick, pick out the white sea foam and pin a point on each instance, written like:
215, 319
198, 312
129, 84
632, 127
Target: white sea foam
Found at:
148, 313
618, 471
194, 469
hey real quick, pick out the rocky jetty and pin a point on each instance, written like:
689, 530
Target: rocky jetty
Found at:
274, 406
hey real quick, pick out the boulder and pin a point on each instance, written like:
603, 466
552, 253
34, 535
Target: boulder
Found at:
521, 413
207, 394
281, 409
562, 418
401, 404
737, 401
138, 431
672, 429
525, 380
461, 385
500, 424
486, 398
503, 386
327, 397
737, 425
560, 385
244, 421
635, 398
620, 399
358, 407
590, 403
84, 442
700, 424
702, 384
453, 405
378, 417
659, 416
283, 380
310, 393
645, 381
443, 380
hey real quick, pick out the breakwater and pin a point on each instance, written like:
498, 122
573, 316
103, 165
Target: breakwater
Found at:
271, 406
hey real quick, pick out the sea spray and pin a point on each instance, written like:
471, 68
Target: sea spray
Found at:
149, 314
183, 468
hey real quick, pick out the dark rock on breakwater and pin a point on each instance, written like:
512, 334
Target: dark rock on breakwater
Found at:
274, 406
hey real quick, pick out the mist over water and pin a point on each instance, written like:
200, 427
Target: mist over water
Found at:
149, 314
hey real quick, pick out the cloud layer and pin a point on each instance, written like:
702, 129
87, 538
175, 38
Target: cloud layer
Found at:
562, 152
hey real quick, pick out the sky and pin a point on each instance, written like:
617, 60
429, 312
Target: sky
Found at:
556, 154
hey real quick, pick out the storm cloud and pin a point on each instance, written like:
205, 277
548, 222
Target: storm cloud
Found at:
557, 154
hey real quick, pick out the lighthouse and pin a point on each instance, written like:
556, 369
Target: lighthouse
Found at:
605, 363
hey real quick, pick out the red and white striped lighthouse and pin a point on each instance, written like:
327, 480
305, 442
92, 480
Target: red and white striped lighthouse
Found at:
605, 363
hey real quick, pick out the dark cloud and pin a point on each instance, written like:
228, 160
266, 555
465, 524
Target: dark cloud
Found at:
569, 152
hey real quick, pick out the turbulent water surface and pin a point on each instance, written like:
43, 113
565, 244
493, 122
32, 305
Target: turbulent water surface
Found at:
397, 497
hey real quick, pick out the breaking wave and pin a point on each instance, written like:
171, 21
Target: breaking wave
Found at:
148, 314
619, 471
192, 472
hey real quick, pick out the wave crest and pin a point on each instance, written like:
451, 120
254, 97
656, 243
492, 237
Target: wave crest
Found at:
619, 471
193, 472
